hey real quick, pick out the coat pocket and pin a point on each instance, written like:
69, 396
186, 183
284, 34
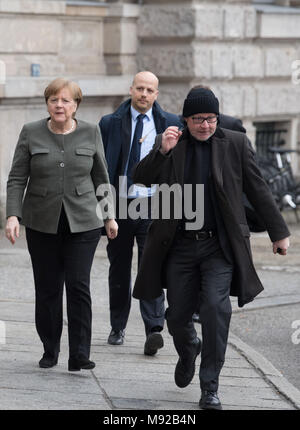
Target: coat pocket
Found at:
36, 151
84, 188
84, 151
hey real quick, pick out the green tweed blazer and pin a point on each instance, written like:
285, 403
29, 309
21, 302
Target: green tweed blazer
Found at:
56, 170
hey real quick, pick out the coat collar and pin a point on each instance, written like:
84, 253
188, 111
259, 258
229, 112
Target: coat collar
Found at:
178, 155
126, 136
219, 144
123, 114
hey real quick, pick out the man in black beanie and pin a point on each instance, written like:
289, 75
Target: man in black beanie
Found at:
215, 259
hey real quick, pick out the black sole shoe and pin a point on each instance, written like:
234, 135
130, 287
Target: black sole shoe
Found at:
153, 343
210, 401
184, 373
76, 365
116, 337
47, 362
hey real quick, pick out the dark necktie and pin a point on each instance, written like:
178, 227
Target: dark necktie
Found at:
135, 151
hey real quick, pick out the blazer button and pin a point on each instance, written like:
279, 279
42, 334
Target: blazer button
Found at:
165, 242
62, 164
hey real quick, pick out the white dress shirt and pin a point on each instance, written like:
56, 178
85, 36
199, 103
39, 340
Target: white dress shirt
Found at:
148, 139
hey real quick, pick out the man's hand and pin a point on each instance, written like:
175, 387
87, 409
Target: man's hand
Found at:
281, 245
170, 138
111, 228
12, 229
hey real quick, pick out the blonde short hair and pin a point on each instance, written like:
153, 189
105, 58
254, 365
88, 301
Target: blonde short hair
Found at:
58, 84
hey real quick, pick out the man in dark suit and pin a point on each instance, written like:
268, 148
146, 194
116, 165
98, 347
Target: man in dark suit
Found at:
231, 123
214, 258
128, 135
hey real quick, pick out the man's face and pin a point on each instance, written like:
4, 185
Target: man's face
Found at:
144, 91
199, 129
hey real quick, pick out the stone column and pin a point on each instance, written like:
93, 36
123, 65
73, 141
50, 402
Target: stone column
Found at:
120, 38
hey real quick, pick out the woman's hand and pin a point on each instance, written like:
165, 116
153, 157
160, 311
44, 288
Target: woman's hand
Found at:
111, 228
12, 229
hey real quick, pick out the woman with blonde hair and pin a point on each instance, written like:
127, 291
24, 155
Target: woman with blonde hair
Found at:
60, 162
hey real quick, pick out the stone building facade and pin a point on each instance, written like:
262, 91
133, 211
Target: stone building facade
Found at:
247, 51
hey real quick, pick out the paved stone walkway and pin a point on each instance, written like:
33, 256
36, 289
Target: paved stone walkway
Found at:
123, 378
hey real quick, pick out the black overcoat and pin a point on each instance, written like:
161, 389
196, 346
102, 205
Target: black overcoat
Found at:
234, 171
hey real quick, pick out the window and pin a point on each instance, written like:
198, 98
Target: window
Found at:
270, 134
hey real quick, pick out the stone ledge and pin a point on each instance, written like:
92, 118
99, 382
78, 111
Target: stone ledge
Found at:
276, 9
86, 10
53, 7
90, 86
126, 10
71, 8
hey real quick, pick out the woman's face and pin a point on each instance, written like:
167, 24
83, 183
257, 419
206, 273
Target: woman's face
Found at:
61, 106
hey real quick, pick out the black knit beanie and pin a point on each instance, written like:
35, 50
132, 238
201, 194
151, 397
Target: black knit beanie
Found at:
200, 100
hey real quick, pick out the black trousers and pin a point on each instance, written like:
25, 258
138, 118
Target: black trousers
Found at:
58, 259
192, 267
120, 252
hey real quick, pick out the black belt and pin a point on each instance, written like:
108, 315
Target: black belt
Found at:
198, 234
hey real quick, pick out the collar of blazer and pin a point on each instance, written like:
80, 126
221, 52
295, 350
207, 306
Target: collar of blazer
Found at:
219, 144
123, 114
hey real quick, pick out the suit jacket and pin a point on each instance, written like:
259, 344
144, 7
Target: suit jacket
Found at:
116, 134
231, 123
234, 171
255, 223
57, 169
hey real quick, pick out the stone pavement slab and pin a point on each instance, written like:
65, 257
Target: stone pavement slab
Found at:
124, 379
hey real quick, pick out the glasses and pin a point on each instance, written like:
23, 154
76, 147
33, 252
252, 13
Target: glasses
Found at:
201, 119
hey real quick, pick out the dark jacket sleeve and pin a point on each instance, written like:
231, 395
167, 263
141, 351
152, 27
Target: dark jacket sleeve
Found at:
173, 119
260, 196
100, 179
18, 176
147, 171
104, 127
231, 123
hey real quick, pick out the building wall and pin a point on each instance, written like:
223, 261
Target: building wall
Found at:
244, 50
92, 43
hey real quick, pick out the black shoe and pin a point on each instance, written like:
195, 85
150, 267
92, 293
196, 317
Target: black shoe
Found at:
153, 342
74, 365
47, 361
210, 400
116, 337
185, 370
196, 318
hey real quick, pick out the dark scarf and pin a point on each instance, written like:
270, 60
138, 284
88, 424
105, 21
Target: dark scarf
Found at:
198, 171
